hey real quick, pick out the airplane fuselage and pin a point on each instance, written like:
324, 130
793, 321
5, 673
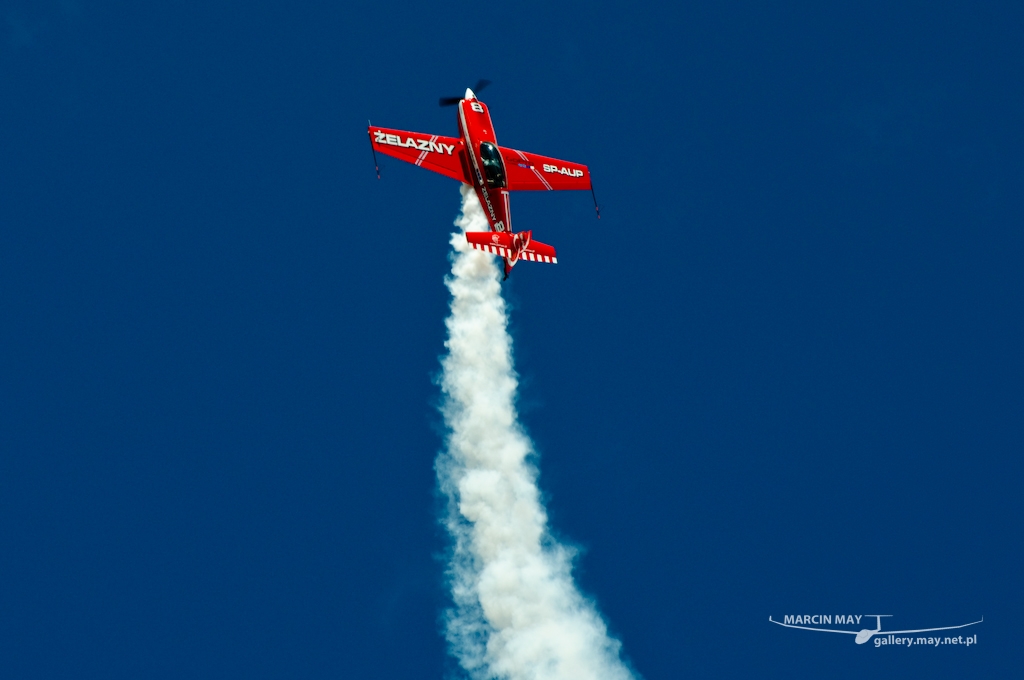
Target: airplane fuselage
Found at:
486, 167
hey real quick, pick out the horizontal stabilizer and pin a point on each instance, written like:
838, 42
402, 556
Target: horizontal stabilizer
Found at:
512, 247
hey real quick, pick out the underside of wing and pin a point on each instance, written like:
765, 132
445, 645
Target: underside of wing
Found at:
444, 155
533, 172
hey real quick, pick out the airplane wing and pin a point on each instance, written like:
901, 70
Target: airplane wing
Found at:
533, 172
928, 630
433, 152
821, 630
500, 243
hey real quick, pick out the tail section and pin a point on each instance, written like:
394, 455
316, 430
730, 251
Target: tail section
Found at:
513, 247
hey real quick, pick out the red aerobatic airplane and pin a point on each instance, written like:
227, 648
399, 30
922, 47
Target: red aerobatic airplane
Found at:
475, 158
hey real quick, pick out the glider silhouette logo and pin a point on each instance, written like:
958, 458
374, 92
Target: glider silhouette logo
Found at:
881, 637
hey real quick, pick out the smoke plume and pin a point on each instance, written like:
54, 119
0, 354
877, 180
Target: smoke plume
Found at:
517, 612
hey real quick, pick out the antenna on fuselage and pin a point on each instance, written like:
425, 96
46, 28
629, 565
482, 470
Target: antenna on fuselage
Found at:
592, 193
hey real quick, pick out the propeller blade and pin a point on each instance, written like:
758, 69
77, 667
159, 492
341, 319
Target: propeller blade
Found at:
452, 101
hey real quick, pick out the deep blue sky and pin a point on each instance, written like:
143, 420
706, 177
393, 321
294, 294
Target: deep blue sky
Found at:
782, 374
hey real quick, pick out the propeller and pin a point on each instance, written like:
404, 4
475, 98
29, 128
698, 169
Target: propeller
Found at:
452, 101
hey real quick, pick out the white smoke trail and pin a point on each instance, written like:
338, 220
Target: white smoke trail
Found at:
517, 613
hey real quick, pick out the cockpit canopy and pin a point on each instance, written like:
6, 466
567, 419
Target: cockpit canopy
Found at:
494, 169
